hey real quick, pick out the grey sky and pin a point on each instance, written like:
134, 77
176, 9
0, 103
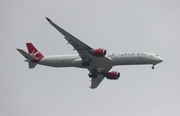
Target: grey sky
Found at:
116, 25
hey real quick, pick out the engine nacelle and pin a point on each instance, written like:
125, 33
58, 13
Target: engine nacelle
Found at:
113, 75
99, 52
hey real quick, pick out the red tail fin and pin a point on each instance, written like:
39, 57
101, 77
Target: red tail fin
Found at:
33, 51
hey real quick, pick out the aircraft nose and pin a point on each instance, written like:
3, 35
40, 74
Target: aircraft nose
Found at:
160, 59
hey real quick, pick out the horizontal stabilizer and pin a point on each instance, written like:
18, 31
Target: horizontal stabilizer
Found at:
26, 55
32, 65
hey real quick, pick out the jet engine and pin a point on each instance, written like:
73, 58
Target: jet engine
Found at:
113, 75
98, 52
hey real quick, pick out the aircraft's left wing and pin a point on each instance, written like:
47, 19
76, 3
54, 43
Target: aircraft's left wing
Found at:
78, 45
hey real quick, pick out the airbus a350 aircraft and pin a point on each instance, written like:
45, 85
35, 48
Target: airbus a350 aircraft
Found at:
97, 61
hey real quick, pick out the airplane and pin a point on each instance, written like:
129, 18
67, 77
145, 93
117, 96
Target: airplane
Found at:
97, 61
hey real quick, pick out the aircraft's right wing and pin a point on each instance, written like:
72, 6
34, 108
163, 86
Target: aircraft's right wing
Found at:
96, 81
100, 76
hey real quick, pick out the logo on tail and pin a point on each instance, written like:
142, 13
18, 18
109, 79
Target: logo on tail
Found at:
34, 52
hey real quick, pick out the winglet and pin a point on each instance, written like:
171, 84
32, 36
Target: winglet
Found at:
48, 19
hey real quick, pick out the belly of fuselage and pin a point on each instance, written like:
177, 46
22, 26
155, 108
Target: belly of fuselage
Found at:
58, 61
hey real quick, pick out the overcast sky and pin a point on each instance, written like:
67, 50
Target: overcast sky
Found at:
116, 25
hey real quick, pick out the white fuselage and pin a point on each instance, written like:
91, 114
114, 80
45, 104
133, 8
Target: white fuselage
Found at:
115, 59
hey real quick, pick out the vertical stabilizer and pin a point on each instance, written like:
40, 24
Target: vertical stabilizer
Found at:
34, 55
33, 51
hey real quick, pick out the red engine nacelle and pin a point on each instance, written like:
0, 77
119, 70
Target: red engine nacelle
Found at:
98, 52
113, 75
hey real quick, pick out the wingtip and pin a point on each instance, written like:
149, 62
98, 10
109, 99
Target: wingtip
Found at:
48, 19
91, 87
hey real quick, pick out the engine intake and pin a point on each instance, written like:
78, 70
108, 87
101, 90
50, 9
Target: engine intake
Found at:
99, 52
113, 75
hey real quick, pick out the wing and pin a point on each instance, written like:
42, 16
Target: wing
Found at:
83, 49
96, 81
100, 76
79, 46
